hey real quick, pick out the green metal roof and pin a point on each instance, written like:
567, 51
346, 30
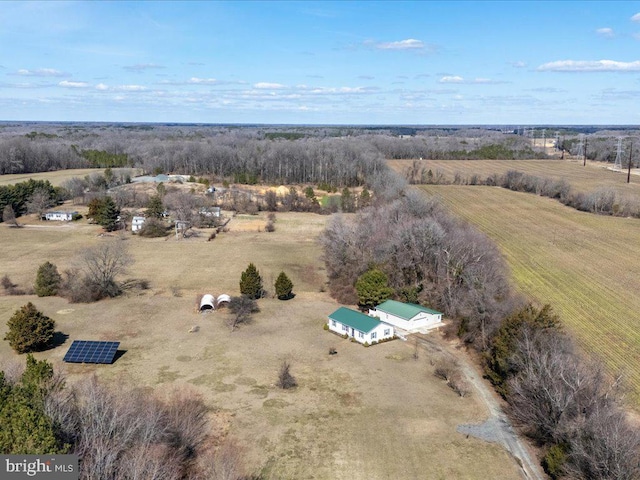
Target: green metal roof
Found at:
404, 310
356, 320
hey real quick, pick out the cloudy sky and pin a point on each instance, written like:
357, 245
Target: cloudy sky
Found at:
321, 62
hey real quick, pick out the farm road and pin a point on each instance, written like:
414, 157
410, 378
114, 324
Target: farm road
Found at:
497, 428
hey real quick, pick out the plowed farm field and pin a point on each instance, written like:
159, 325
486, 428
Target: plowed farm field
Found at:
586, 266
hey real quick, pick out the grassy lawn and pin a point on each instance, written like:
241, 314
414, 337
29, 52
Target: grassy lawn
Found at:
586, 266
366, 413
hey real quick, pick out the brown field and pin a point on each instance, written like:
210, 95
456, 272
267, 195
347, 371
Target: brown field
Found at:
366, 413
56, 178
586, 266
581, 179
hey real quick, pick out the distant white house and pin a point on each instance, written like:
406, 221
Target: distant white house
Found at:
359, 326
60, 216
137, 223
407, 316
210, 211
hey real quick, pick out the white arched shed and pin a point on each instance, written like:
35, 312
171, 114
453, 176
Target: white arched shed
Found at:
207, 302
224, 298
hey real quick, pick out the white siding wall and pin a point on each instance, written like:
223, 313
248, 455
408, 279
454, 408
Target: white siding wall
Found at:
378, 332
423, 319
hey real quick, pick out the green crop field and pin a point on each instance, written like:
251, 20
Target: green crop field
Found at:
586, 266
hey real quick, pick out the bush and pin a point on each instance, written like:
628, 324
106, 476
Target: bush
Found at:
47, 280
11, 288
325, 326
153, 228
285, 379
554, 461
29, 330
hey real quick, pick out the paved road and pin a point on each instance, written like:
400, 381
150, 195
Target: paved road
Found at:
497, 428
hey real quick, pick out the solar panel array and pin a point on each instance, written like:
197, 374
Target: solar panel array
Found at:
89, 351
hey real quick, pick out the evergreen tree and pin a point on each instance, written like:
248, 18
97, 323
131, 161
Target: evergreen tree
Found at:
48, 280
347, 202
105, 212
365, 198
284, 286
373, 288
251, 282
29, 330
503, 346
155, 208
26, 428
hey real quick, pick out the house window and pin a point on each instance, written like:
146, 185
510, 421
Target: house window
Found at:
374, 335
360, 334
387, 332
345, 328
333, 323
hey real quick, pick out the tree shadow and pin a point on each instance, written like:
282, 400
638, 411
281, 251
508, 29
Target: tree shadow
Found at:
58, 339
288, 297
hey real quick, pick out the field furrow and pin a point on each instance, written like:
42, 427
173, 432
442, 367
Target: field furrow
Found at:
586, 266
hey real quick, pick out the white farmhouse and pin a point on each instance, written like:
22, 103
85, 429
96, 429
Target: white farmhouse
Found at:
359, 326
60, 216
407, 316
137, 223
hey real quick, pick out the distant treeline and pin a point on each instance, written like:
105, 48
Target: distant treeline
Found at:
340, 156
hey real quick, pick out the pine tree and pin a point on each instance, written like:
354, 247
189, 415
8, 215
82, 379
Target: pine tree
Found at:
105, 212
284, 286
29, 329
251, 282
373, 288
155, 208
48, 280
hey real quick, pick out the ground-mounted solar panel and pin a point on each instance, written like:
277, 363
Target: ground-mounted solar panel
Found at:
90, 351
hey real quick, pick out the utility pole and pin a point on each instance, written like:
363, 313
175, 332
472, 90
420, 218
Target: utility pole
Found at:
629, 171
584, 163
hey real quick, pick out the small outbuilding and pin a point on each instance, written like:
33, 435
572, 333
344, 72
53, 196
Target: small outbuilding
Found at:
362, 328
407, 316
207, 302
222, 300
137, 223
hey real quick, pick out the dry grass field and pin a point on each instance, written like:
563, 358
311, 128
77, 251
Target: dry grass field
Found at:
586, 266
366, 413
581, 179
56, 178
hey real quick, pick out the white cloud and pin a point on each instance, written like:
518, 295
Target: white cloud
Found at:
589, 66
202, 81
451, 79
408, 44
68, 84
131, 88
518, 64
636, 18
267, 85
102, 86
605, 32
41, 72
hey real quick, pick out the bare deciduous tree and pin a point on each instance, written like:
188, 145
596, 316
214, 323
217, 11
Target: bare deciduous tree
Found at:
240, 310
9, 216
39, 202
103, 263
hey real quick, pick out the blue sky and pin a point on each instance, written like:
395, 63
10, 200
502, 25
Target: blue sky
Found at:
321, 62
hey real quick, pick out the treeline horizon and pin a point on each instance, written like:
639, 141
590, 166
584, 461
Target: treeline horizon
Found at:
341, 156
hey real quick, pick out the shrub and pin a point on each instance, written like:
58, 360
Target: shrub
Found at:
11, 288
153, 227
554, 460
47, 280
365, 344
325, 326
285, 379
29, 330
